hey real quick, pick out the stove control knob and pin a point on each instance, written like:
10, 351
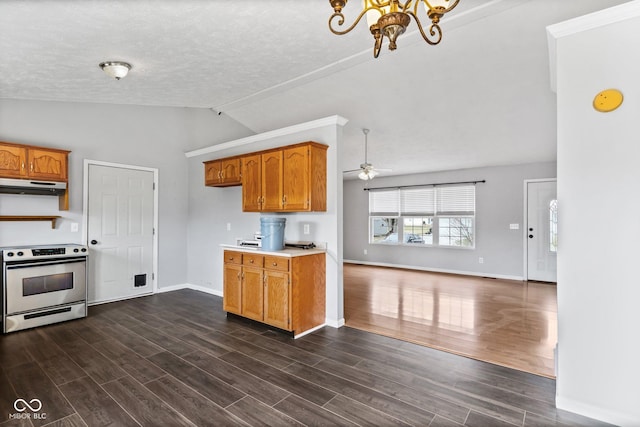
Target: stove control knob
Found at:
20, 253
75, 250
84, 249
10, 254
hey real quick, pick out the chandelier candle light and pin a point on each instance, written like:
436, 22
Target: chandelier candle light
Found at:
390, 18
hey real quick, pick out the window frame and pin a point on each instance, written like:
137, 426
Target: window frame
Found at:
467, 199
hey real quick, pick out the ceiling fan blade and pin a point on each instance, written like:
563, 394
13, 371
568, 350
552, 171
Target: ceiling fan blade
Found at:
382, 170
352, 170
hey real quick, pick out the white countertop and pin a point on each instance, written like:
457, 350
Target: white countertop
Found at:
288, 252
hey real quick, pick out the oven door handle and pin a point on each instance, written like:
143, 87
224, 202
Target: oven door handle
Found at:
45, 263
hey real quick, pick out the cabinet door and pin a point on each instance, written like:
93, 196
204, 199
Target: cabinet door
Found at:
231, 171
272, 181
253, 293
232, 293
13, 161
277, 302
212, 172
296, 179
251, 183
50, 165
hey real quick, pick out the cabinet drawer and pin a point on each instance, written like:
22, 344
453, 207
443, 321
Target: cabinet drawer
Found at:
231, 257
276, 263
253, 260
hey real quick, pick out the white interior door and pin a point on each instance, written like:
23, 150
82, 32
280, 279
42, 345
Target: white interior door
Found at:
542, 231
120, 227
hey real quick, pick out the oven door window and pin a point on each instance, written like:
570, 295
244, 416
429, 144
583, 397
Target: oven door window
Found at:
34, 286
49, 283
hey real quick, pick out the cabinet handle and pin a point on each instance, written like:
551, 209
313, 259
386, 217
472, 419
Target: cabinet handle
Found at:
230, 258
275, 264
284, 200
31, 166
238, 276
221, 174
22, 165
251, 261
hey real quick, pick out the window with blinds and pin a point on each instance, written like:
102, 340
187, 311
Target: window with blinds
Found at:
429, 216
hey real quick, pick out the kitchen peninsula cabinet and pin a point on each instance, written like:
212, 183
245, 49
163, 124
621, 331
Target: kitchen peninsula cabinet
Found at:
35, 163
232, 282
223, 172
287, 292
286, 179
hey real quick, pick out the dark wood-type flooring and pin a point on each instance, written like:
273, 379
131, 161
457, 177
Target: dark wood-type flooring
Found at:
175, 359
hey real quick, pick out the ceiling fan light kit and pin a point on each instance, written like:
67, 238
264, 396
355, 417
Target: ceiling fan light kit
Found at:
115, 69
390, 19
366, 171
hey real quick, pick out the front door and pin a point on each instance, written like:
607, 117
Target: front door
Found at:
542, 230
120, 215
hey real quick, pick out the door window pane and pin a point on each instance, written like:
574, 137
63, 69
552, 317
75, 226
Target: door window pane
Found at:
553, 225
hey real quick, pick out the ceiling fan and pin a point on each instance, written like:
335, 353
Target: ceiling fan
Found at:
367, 171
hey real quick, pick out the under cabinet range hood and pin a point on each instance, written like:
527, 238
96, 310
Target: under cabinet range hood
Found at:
27, 186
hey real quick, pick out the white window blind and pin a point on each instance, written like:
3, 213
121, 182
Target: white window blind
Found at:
456, 200
384, 202
417, 201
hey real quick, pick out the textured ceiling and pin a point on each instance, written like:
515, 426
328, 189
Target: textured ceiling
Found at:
479, 98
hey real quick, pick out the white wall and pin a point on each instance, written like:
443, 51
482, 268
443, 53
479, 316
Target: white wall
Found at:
499, 202
599, 206
143, 136
210, 209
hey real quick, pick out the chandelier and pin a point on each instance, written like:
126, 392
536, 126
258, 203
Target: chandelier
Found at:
390, 18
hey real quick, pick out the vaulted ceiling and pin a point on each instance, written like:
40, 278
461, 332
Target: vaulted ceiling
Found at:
481, 97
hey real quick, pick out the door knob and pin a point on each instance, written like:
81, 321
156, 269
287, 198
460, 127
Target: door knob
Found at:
531, 236
94, 242
530, 228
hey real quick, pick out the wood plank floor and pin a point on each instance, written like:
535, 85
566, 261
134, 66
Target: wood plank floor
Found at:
509, 323
175, 359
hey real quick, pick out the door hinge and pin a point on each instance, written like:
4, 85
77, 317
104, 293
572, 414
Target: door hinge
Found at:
154, 231
153, 276
154, 185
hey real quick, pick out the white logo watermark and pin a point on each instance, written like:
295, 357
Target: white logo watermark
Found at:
34, 405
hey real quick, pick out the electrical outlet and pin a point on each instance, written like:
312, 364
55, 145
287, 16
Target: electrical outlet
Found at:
306, 229
514, 226
481, 260
228, 226
365, 251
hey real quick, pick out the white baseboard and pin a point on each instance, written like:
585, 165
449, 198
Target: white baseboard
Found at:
435, 270
597, 413
190, 286
309, 331
335, 324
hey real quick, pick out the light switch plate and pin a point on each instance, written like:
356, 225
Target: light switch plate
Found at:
514, 226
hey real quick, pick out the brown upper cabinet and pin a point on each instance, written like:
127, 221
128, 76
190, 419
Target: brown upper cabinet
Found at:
31, 162
223, 172
286, 179
23, 161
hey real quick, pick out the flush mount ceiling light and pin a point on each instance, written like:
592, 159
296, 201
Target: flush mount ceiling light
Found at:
390, 18
115, 69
